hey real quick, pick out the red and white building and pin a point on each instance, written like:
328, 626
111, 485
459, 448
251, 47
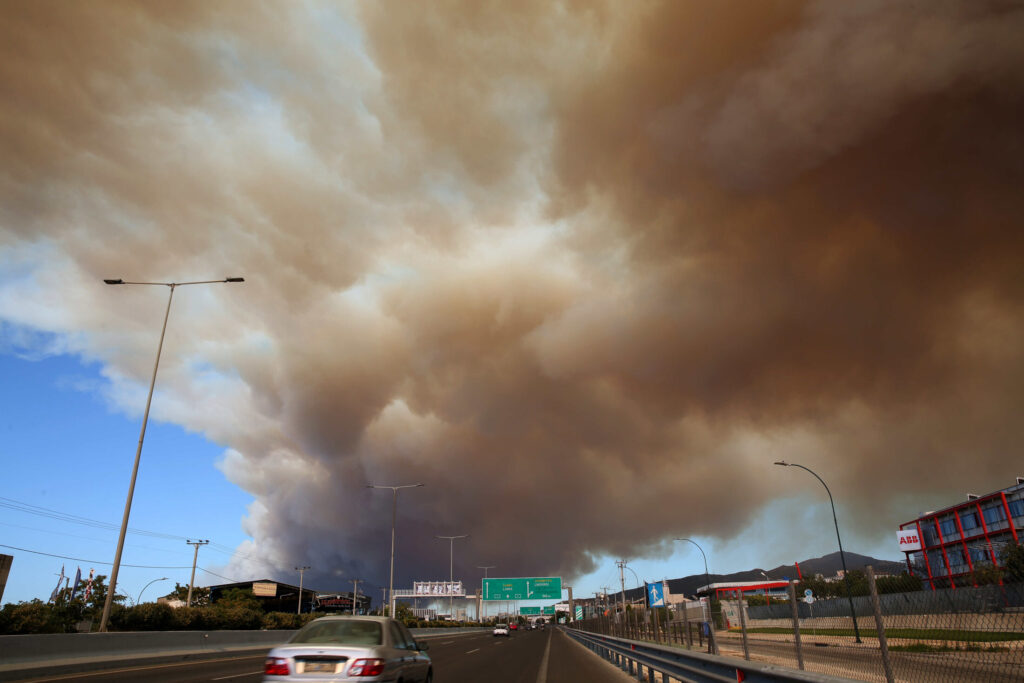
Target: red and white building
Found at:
944, 547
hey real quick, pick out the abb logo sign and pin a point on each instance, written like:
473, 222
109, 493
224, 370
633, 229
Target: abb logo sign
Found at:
909, 540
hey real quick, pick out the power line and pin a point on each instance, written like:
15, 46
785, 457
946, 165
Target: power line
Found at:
134, 566
77, 519
79, 559
40, 511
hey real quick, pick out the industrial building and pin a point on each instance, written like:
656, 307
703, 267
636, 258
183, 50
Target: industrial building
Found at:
945, 547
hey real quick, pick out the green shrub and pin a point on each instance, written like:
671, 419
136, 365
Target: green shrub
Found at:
273, 621
149, 616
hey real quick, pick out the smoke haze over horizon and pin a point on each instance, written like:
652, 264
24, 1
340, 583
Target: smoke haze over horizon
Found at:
584, 269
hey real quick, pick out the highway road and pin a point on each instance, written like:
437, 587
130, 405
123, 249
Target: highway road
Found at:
547, 656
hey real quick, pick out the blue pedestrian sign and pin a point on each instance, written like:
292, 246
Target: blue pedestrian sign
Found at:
656, 594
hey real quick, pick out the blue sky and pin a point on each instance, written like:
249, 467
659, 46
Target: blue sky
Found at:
65, 450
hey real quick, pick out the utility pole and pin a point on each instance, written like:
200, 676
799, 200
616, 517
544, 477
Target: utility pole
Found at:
195, 559
622, 582
572, 606
383, 598
355, 593
301, 571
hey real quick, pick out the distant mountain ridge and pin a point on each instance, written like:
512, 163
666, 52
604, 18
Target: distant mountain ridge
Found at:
828, 565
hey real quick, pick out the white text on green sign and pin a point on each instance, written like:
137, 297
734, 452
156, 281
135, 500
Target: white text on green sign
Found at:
530, 588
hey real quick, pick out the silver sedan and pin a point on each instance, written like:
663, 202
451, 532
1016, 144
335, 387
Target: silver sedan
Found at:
350, 649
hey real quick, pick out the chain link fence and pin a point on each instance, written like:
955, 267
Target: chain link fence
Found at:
900, 630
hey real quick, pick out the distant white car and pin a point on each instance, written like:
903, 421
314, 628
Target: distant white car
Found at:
501, 630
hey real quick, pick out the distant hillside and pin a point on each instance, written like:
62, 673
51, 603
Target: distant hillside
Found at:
828, 565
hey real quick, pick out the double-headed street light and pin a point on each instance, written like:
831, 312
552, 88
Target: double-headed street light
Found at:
145, 418
842, 556
394, 512
451, 570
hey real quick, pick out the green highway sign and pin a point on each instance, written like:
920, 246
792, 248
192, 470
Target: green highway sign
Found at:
531, 588
550, 609
529, 610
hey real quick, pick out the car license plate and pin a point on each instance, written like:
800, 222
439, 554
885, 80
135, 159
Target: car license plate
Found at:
319, 667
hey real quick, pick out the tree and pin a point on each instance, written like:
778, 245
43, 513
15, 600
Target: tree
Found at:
238, 597
1013, 561
200, 596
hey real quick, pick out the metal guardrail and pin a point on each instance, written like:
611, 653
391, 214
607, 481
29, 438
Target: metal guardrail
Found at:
637, 658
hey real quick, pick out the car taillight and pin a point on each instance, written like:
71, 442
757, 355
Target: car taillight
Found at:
366, 667
276, 666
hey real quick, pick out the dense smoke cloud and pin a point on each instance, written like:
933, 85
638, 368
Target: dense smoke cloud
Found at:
584, 270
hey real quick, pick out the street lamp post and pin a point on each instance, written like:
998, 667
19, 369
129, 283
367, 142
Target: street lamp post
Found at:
112, 585
707, 577
707, 580
481, 605
842, 555
394, 513
451, 570
139, 599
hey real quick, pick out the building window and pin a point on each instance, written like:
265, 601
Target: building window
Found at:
948, 528
969, 520
1016, 508
930, 537
979, 555
994, 514
956, 558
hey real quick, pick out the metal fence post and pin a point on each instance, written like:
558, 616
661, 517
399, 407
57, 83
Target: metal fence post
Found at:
743, 627
796, 624
686, 625
876, 607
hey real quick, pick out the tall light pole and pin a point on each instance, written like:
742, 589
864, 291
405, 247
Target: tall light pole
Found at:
842, 555
480, 616
451, 570
301, 571
139, 599
112, 584
394, 513
195, 560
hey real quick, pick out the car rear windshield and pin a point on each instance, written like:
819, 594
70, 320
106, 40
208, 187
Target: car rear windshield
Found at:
344, 632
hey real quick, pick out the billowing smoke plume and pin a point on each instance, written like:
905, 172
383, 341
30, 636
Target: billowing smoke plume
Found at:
584, 270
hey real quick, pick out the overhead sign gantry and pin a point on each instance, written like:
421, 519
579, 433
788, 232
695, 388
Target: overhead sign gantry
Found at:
530, 588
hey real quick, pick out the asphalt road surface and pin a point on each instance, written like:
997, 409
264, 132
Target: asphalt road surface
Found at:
547, 656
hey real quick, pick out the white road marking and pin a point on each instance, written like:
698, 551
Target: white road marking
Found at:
542, 675
472, 651
224, 678
448, 642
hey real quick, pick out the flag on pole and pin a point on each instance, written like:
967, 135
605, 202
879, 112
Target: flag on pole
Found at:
53, 595
88, 586
78, 580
